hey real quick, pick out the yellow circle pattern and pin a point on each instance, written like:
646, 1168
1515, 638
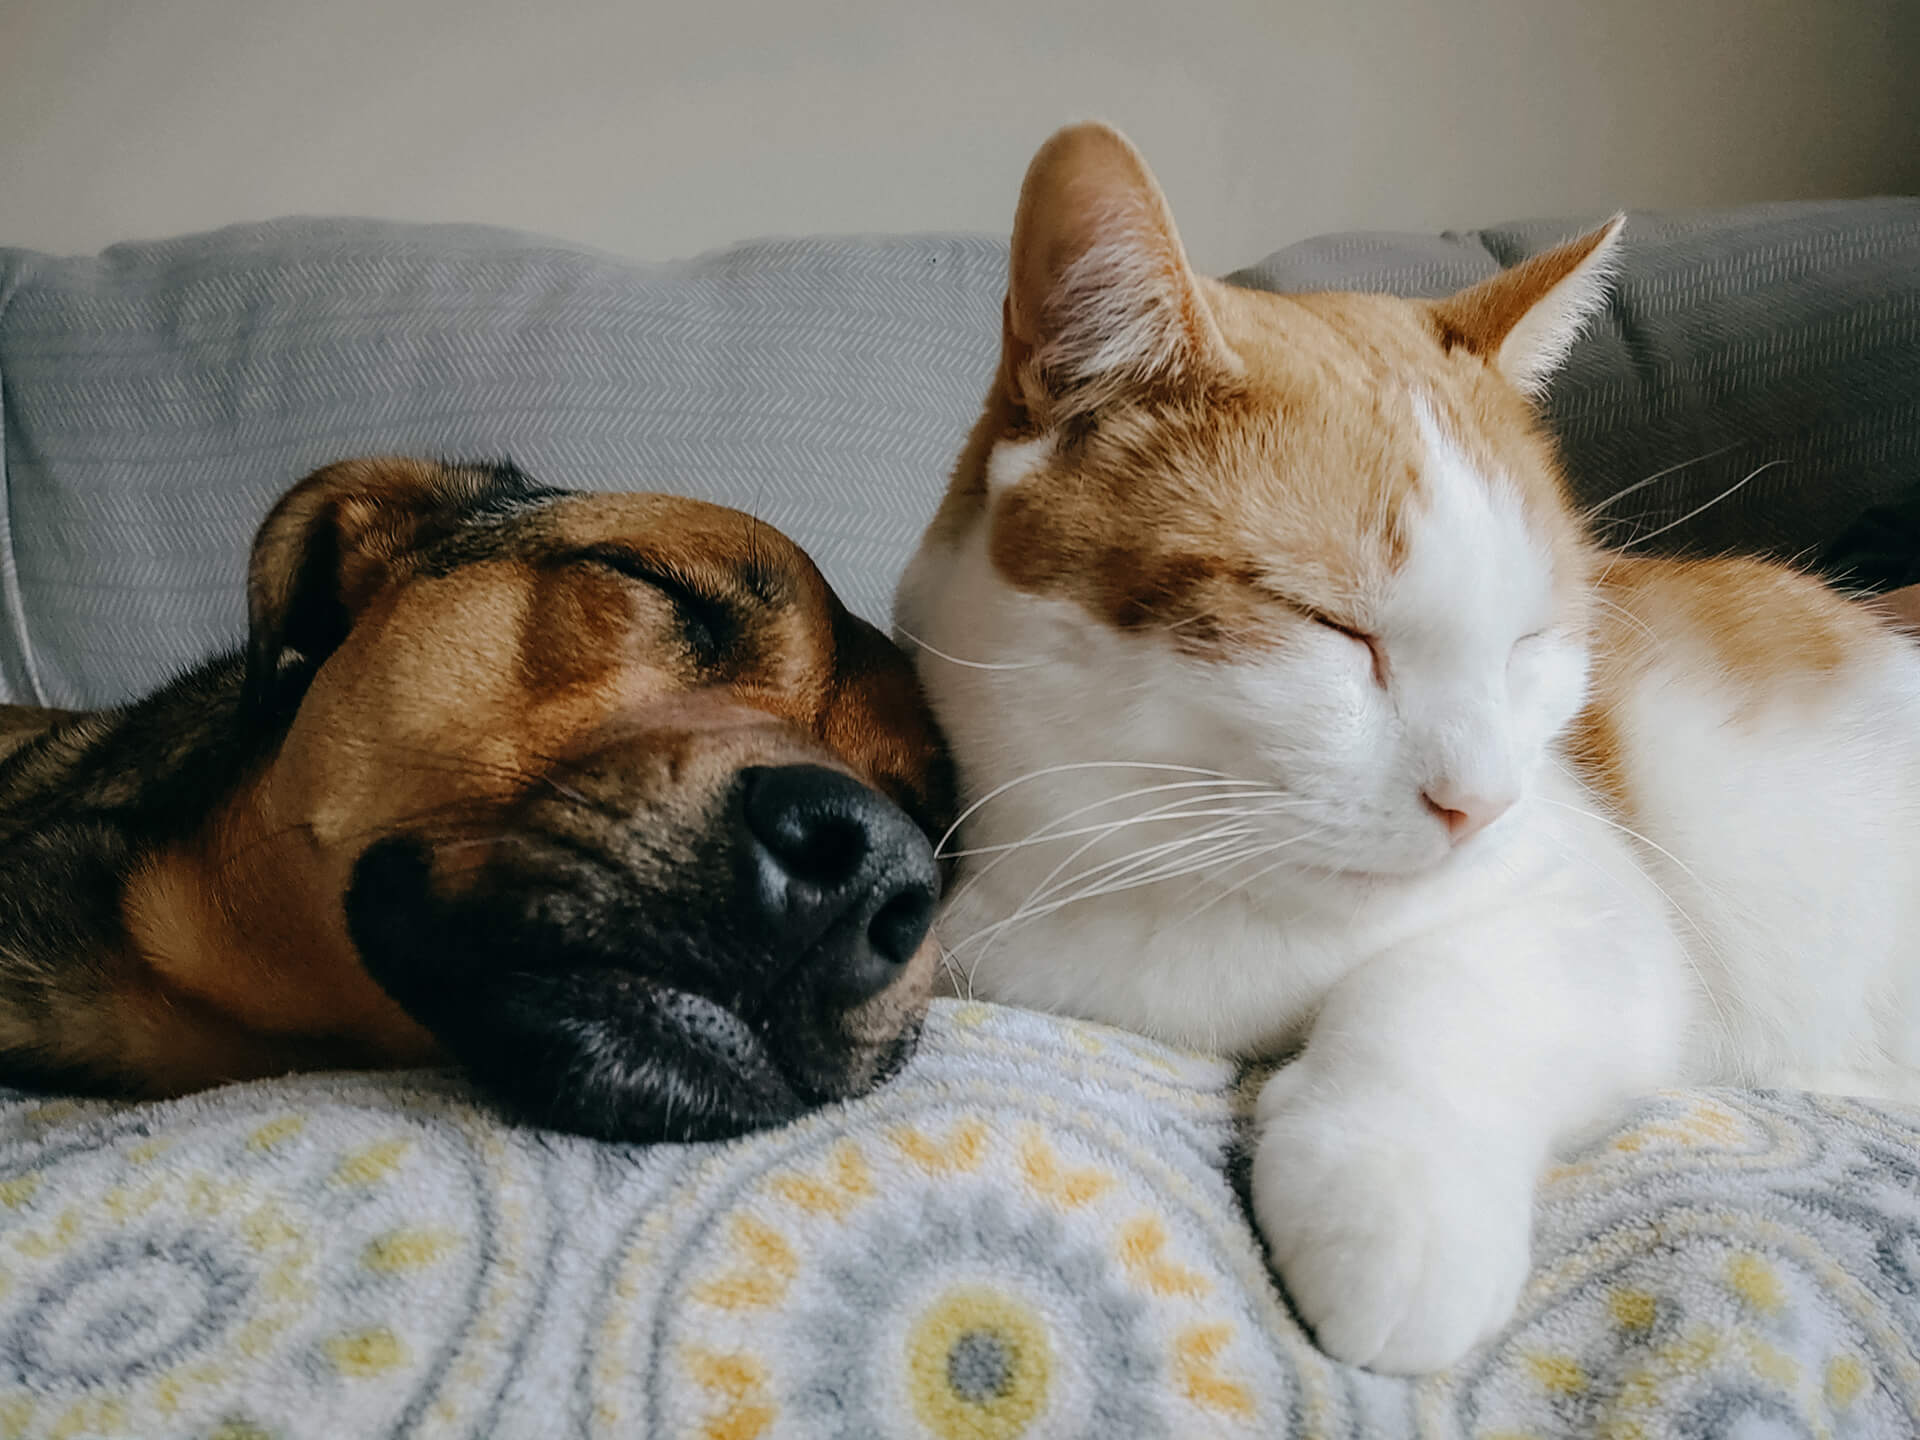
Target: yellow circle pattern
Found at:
1018, 1337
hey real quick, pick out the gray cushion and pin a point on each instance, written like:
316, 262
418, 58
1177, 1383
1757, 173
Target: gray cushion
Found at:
1780, 342
158, 397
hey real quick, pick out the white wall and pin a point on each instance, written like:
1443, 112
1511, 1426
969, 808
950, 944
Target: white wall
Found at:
661, 129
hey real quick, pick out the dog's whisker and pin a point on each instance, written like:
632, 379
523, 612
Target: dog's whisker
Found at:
456, 764
453, 763
389, 826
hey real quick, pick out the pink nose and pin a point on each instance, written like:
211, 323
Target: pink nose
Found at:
1465, 813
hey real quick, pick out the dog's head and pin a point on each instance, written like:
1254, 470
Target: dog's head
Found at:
621, 804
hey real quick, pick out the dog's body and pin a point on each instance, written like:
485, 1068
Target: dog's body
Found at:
584, 792
95, 807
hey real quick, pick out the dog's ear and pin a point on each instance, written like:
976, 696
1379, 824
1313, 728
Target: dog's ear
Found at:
339, 537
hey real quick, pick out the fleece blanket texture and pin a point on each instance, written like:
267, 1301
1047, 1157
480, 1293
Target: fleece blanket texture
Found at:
1035, 1232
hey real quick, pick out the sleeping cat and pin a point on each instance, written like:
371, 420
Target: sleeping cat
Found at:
1294, 707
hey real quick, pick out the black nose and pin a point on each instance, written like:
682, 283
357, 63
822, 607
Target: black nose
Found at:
836, 872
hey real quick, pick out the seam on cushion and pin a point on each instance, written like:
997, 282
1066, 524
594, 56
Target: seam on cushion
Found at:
10, 596
1506, 251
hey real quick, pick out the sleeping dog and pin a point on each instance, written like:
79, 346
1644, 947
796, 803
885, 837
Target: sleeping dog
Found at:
606, 798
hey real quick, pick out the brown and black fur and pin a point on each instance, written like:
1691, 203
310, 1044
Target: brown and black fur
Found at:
488, 784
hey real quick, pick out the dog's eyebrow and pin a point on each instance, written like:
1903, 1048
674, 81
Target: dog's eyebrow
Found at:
711, 621
760, 582
652, 569
754, 577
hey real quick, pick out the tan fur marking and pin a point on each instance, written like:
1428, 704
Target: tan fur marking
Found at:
259, 997
1594, 747
1481, 317
1757, 624
1195, 513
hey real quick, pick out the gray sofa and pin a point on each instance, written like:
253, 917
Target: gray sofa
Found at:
1035, 1232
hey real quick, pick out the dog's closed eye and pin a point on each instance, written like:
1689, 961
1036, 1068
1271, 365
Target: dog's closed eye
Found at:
709, 623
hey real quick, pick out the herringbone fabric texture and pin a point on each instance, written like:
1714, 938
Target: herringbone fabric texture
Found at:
158, 397
1778, 342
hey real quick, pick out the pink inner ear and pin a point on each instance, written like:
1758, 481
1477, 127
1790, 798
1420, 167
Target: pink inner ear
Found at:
1100, 297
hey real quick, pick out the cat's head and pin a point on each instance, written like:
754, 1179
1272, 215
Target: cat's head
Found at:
1318, 541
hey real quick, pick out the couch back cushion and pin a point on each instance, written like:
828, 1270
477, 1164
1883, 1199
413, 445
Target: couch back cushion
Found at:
158, 397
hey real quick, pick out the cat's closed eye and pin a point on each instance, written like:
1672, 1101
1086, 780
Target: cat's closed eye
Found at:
1359, 637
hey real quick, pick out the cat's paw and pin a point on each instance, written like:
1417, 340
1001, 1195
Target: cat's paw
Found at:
1400, 1245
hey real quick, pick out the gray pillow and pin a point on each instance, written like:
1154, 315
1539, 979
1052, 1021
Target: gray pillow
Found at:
158, 397
1778, 342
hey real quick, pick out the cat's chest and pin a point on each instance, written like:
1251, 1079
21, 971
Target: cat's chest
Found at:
1231, 979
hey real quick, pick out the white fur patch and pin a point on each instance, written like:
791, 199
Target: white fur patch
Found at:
1011, 461
1477, 582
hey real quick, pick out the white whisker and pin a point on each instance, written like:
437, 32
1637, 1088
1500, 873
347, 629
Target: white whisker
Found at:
1106, 800
1047, 884
1629, 616
1678, 909
1184, 866
1131, 862
1042, 773
1240, 885
1154, 814
939, 654
1702, 509
1593, 510
1046, 835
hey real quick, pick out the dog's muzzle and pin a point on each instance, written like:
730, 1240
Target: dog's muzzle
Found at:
599, 977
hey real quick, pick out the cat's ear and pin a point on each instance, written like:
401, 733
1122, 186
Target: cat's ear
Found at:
1523, 321
1101, 302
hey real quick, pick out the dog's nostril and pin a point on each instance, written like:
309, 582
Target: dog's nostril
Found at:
898, 927
837, 875
810, 821
818, 850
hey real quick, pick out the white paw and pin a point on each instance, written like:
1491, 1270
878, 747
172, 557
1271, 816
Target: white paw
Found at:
1401, 1242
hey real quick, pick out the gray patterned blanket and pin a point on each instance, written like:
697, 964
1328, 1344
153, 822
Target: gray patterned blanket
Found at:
1034, 1233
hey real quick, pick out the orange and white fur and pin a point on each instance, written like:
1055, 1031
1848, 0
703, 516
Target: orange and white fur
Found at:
1294, 708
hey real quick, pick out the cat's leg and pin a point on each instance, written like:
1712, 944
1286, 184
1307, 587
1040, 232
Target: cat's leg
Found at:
1396, 1158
